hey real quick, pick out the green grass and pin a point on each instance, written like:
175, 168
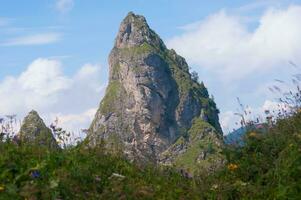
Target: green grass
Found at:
266, 167
84, 174
268, 164
198, 126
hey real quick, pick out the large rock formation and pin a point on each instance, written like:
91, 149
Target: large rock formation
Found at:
151, 100
34, 131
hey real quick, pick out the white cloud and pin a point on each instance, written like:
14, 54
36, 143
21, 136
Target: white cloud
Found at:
44, 77
37, 39
240, 55
274, 106
225, 45
44, 87
64, 6
229, 120
75, 122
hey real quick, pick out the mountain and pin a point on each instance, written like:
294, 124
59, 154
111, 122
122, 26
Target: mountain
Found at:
236, 136
152, 101
34, 131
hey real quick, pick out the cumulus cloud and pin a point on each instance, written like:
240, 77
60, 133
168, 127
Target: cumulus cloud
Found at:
225, 44
44, 77
64, 6
44, 87
36, 39
75, 122
227, 121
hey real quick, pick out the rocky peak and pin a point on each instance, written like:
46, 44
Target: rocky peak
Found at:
33, 116
34, 131
151, 100
134, 31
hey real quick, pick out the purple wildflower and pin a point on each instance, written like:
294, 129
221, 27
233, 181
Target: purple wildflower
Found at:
35, 174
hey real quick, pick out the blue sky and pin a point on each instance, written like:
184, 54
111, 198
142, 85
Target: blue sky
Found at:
54, 53
89, 29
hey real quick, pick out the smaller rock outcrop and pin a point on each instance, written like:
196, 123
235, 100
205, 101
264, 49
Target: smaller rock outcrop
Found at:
34, 131
199, 151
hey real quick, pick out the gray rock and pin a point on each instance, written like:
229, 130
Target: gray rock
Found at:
117, 176
151, 99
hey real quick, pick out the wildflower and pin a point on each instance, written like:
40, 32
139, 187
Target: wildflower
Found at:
243, 183
259, 126
35, 174
16, 140
97, 178
54, 183
214, 187
2, 188
240, 183
252, 134
232, 167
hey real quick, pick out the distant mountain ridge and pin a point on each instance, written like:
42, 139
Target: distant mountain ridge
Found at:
236, 136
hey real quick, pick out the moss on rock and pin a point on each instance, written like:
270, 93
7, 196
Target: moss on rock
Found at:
113, 91
201, 151
34, 132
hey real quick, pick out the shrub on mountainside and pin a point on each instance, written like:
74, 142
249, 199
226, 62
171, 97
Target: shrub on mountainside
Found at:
267, 166
31, 172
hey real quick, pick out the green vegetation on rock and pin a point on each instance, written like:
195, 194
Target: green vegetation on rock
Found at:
203, 149
113, 92
34, 131
144, 48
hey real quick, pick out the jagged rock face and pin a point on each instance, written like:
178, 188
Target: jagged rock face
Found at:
34, 131
151, 98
